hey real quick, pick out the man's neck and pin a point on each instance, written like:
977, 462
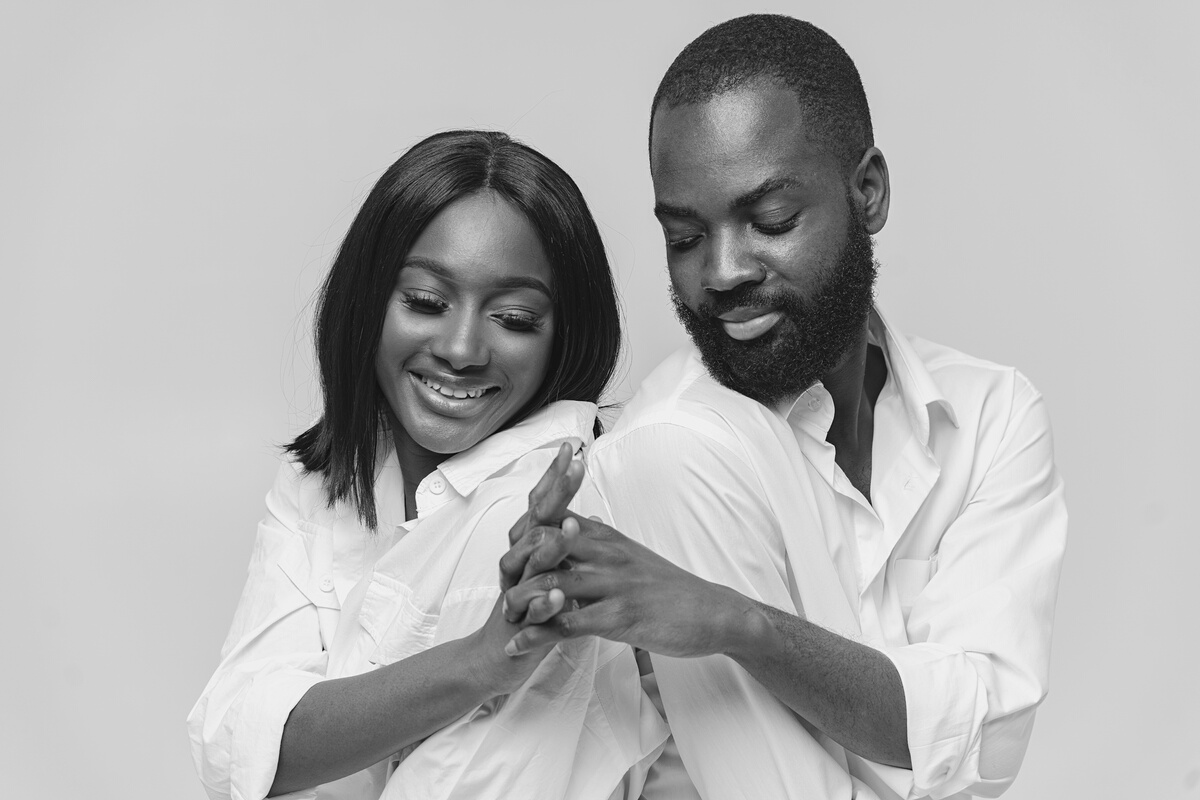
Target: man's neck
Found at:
855, 385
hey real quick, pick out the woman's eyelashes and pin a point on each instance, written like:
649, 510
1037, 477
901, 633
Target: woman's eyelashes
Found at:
512, 319
519, 321
423, 302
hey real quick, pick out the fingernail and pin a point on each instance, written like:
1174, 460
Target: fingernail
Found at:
510, 648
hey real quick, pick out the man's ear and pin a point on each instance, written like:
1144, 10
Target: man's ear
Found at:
870, 189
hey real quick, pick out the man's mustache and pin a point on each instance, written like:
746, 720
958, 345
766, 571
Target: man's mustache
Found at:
746, 295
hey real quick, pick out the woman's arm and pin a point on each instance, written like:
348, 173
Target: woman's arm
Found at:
347, 724
344, 725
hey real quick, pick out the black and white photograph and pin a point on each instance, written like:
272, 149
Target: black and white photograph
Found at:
625, 401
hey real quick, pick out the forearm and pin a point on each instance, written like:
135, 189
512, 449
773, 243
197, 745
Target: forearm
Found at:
848, 690
344, 725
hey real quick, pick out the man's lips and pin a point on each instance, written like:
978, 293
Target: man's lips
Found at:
745, 324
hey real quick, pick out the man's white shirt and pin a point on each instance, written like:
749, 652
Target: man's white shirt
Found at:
951, 570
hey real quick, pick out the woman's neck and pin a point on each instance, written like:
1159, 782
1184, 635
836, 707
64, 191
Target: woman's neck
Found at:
415, 463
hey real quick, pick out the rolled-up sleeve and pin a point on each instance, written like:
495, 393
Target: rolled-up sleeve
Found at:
978, 662
271, 658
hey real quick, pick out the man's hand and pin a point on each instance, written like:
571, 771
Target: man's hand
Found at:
625, 593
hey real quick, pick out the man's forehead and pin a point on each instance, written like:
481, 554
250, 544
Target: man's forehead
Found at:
733, 148
758, 127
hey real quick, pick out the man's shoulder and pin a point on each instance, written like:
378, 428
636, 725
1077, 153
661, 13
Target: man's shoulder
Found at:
974, 388
681, 400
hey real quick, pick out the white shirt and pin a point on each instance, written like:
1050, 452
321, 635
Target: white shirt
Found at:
327, 598
951, 572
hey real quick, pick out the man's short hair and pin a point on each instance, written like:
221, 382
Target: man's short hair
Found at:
798, 54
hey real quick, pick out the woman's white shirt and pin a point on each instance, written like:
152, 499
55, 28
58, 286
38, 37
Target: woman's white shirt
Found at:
327, 598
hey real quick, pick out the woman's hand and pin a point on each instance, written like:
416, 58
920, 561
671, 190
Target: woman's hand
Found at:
499, 672
547, 509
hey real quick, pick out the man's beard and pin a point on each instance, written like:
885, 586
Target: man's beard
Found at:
806, 344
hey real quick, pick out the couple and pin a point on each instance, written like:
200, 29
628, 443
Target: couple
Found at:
814, 558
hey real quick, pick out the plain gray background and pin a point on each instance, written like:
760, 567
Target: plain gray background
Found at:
176, 178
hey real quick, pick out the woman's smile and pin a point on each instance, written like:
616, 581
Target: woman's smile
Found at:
454, 397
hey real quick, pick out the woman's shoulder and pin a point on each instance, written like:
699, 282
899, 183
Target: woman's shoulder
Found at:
298, 495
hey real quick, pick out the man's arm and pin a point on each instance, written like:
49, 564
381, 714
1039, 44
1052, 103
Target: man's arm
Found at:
960, 697
723, 593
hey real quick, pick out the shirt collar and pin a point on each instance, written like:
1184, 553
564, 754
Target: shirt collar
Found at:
916, 387
565, 419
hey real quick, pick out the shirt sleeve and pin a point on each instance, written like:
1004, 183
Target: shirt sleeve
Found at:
271, 658
696, 502
978, 662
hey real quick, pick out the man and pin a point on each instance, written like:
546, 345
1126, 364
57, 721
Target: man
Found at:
855, 538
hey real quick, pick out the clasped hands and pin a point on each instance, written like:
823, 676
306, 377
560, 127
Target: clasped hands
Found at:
566, 576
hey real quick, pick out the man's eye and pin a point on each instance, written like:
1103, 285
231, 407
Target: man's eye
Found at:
520, 322
778, 228
424, 303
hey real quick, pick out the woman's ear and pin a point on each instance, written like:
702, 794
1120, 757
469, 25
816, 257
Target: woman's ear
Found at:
870, 189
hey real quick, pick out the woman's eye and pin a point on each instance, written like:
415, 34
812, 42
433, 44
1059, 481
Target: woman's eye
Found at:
424, 303
519, 322
682, 243
777, 228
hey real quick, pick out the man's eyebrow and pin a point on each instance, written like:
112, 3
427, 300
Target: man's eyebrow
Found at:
507, 282
664, 210
763, 189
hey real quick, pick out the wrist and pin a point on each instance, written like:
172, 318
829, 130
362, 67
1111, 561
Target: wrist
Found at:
742, 626
480, 673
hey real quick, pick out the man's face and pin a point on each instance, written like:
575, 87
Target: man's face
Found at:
772, 272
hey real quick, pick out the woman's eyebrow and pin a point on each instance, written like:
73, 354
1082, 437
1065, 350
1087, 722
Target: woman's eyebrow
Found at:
507, 282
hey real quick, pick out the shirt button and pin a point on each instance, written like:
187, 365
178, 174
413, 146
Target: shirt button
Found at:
814, 403
327, 584
437, 485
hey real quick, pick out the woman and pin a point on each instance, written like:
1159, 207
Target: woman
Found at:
465, 333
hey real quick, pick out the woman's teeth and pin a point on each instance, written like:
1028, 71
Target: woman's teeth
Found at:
461, 394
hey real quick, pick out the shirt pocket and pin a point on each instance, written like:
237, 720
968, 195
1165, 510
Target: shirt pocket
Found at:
398, 624
910, 576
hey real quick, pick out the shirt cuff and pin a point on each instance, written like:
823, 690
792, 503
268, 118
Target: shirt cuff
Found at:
946, 704
254, 751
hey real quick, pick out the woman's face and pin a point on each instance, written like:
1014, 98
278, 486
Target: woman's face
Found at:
468, 330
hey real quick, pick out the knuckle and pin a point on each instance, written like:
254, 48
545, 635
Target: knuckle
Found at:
564, 624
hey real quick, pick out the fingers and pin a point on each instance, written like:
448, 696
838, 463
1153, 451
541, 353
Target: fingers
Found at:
595, 528
598, 619
545, 606
548, 500
542, 492
512, 563
553, 546
572, 584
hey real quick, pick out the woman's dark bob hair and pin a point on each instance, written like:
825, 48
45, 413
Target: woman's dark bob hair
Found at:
353, 301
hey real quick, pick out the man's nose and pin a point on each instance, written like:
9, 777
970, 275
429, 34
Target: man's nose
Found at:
462, 343
730, 263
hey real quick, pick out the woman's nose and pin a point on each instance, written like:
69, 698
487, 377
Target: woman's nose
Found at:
462, 342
